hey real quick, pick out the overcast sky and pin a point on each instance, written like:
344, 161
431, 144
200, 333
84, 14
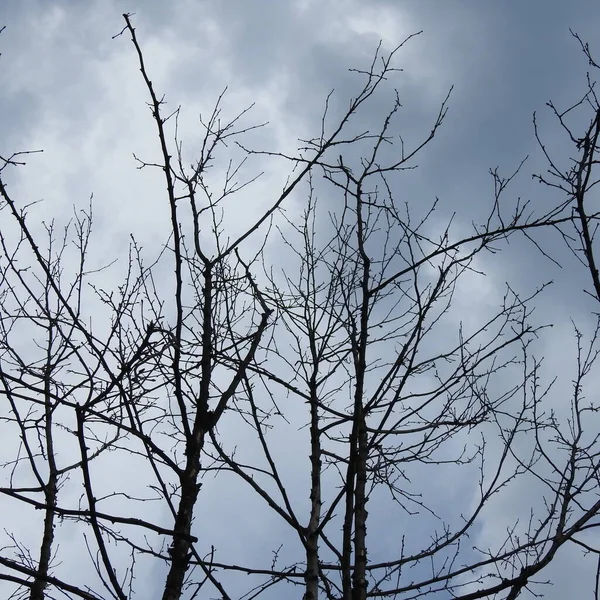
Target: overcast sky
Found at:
69, 88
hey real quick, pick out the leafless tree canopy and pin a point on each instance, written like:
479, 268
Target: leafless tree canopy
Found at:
338, 323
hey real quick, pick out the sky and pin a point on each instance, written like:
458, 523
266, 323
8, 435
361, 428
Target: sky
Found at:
71, 86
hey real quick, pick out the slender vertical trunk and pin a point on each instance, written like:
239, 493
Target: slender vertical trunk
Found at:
359, 581
354, 584
312, 537
181, 546
347, 527
50, 498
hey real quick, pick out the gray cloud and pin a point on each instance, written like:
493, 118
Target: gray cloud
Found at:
72, 90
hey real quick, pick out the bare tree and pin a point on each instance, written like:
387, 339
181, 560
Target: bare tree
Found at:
354, 341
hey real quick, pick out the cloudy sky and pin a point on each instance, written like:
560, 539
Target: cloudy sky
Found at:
70, 87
